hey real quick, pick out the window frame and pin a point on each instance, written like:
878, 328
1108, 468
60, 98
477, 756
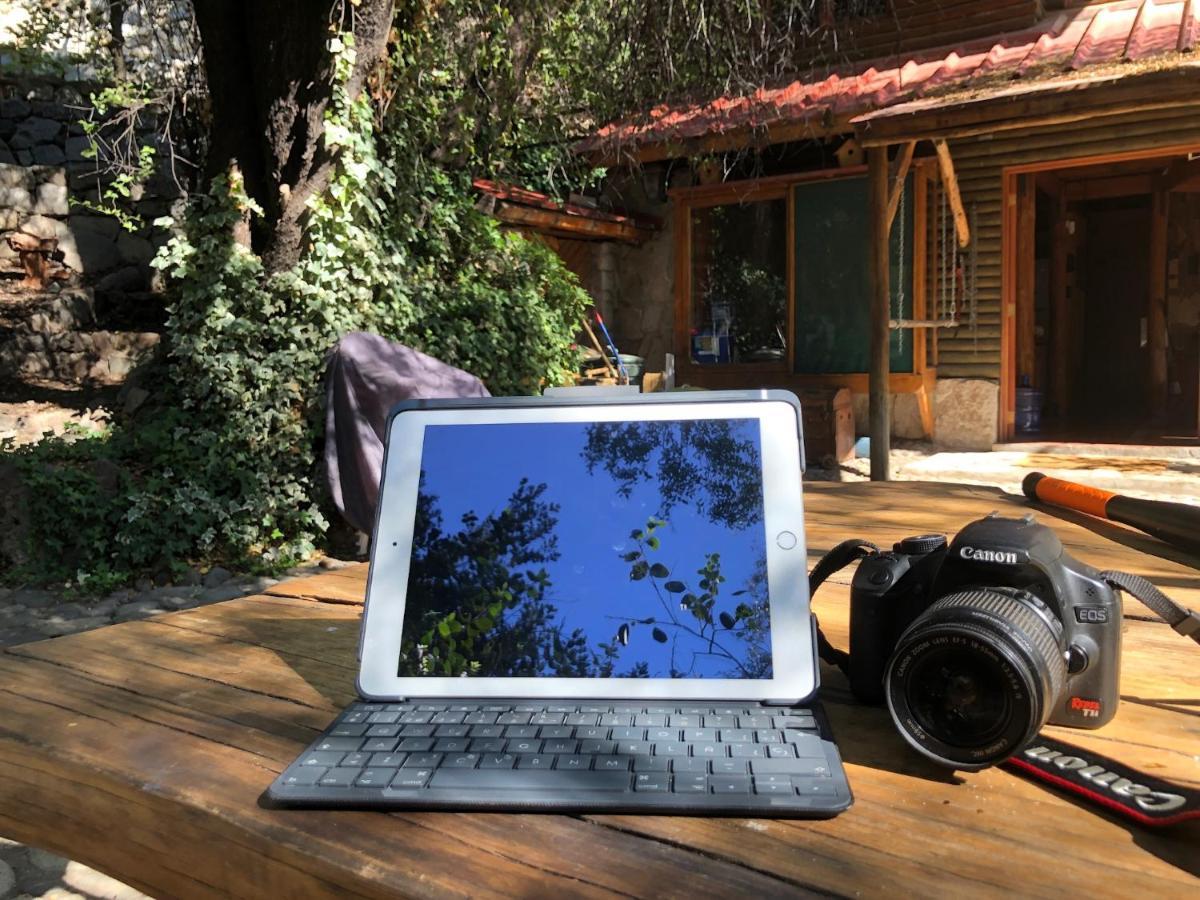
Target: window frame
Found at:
762, 374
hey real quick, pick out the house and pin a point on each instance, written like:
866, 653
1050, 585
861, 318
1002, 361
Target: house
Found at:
991, 209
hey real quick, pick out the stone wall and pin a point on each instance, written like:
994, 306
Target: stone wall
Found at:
46, 180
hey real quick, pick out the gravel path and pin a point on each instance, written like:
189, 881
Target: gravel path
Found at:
34, 615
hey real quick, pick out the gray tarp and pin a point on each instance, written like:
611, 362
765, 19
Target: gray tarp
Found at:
367, 376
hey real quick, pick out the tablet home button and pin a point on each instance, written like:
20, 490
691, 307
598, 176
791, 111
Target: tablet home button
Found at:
786, 540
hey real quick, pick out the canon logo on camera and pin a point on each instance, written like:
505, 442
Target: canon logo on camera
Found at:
1006, 557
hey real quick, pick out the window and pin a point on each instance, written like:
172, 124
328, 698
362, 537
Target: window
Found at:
739, 283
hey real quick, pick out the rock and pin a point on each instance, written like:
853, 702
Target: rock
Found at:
36, 130
216, 576
51, 200
43, 227
257, 585
22, 634
965, 411
181, 600
106, 226
107, 606
138, 609
6, 155
53, 628
223, 593
24, 157
133, 249
128, 279
76, 147
143, 585
8, 880
16, 616
89, 251
32, 598
48, 155
14, 108
67, 611
192, 578
16, 198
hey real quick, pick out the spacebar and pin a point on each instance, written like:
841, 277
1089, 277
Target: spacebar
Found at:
519, 780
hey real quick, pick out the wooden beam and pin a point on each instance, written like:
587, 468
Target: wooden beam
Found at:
564, 224
878, 264
1104, 188
902, 165
950, 185
1189, 26
1026, 308
1178, 173
1156, 317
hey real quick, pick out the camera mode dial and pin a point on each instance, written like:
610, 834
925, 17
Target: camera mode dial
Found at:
921, 544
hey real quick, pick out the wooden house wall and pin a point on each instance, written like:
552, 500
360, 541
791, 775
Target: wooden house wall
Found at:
915, 25
979, 163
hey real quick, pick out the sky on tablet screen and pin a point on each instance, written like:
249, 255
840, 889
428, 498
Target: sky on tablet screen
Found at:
587, 550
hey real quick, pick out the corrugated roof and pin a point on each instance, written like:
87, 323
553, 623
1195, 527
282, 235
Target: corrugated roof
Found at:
1115, 33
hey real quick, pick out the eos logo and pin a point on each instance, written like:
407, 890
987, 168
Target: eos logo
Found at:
1091, 615
993, 556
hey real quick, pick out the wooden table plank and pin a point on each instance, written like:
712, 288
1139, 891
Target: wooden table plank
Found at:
172, 727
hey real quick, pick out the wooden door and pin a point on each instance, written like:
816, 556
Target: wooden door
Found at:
1115, 285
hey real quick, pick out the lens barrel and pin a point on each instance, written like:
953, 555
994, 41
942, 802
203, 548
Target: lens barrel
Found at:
974, 677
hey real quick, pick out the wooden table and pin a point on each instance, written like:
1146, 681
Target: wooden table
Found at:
141, 749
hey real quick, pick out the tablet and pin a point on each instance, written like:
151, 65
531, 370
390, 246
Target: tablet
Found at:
630, 547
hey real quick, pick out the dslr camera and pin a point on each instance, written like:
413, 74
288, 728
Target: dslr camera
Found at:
977, 644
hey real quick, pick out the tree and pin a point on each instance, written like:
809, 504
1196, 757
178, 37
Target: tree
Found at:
270, 82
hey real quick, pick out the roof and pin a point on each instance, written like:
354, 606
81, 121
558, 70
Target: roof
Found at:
529, 209
1132, 35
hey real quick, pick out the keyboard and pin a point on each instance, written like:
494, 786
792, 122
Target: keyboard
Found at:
688, 758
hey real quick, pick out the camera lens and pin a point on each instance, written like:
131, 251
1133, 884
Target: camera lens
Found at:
975, 676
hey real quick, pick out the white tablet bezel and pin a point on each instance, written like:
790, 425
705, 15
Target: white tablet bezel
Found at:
791, 632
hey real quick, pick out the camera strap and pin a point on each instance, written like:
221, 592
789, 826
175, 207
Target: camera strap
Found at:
1104, 781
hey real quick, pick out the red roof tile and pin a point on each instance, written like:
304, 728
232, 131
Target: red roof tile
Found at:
1101, 34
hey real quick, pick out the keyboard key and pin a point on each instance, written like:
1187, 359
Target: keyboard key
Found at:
729, 784
305, 776
652, 782
321, 758
380, 718
418, 745
451, 731
649, 721
591, 733
547, 719
415, 718
513, 718
521, 731
343, 743
807, 745
690, 784
736, 736
529, 780
662, 734
628, 734
729, 767
774, 751
814, 787
418, 730
451, 745
390, 760
661, 710
679, 721
461, 761
493, 745
699, 734
583, 719
423, 760
560, 708
769, 736
720, 721
411, 778
449, 718
767, 788
463, 707
497, 761
755, 721
598, 748
555, 731
375, 777
651, 764
573, 762
612, 763
807, 723
355, 717
708, 750
689, 765
790, 766
485, 731
357, 760
670, 749
561, 746
379, 745
635, 748
534, 746
431, 707
747, 751
480, 718
352, 731
339, 777
496, 707
615, 720
534, 761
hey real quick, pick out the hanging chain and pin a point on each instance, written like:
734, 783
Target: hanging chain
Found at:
900, 269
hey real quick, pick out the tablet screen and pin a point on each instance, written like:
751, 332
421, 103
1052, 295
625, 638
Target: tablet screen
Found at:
605, 549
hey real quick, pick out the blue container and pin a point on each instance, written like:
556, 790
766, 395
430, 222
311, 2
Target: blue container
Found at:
1029, 409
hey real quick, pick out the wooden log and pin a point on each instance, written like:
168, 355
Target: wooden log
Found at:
950, 184
1156, 315
878, 265
903, 162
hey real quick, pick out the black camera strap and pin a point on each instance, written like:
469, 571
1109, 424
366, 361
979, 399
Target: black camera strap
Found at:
1105, 782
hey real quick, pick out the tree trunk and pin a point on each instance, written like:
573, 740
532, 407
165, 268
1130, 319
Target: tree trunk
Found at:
270, 80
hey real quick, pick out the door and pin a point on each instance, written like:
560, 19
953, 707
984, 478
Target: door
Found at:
1115, 285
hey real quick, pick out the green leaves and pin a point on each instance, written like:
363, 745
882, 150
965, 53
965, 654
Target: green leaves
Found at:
658, 570
659, 635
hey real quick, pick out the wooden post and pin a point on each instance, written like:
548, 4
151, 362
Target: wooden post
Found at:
1156, 316
878, 265
1026, 280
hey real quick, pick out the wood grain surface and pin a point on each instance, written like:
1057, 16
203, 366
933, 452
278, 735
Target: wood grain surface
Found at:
142, 749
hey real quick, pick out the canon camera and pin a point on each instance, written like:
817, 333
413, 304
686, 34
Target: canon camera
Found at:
976, 645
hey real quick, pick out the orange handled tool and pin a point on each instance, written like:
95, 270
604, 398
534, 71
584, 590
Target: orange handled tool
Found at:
1175, 523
